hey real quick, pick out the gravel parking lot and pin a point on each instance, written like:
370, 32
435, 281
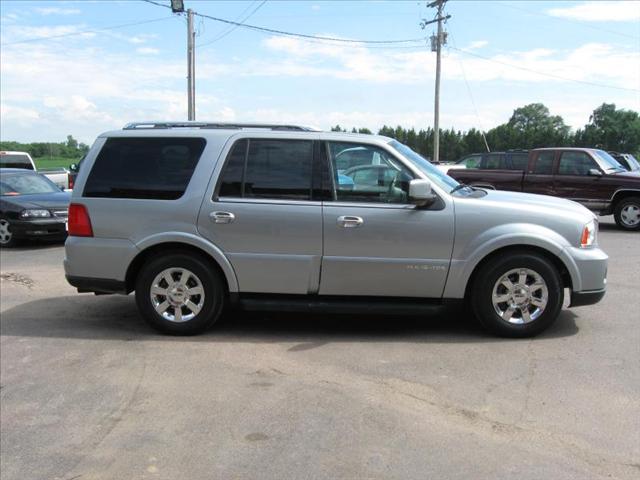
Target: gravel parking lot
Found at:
90, 392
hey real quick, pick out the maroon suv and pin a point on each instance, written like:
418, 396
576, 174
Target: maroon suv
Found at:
589, 176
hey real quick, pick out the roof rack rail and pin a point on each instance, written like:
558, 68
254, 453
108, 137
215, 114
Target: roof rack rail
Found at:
214, 125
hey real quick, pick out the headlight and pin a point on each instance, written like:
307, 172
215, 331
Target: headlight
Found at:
589, 234
32, 213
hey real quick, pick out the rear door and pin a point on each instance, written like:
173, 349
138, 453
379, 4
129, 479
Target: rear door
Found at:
262, 215
540, 176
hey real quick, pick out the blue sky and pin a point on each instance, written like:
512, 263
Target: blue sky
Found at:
86, 83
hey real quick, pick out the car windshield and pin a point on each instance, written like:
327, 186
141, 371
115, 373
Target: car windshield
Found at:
633, 163
433, 173
30, 184
609, 162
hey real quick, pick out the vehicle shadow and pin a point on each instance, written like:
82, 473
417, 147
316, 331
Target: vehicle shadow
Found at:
35, 244
116, 318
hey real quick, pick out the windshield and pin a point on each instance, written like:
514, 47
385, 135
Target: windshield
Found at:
609, 162
435, 175
633, 163
30, 184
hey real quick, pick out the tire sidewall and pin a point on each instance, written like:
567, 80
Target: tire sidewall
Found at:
211, 283
481, 295
617, 214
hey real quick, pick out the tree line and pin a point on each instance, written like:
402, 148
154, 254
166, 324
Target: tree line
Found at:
530, 126
71, 149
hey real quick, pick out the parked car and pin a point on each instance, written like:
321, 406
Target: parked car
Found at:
23, 160
627, 160
512, 160
31, 206
203, 215
588, 176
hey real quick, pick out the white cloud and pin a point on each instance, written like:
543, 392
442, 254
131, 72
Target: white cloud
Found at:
315, 8
147, 51
57, 11
599, 11
477, 44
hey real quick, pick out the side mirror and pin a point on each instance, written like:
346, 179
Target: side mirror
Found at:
420, 193
595, 172
73, 167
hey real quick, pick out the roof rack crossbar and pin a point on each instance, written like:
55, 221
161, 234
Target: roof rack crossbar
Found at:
211, 125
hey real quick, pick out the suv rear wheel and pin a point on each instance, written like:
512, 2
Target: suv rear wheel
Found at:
518, 295
179, 294
627, 213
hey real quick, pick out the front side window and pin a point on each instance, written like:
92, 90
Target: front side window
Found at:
366, 173
471, 162
519, 161
544, 163
576, 163
494, 161
155, 168
267, 168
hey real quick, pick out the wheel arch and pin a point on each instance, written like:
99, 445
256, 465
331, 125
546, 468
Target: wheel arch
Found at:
185, 243
622, 194
557, 262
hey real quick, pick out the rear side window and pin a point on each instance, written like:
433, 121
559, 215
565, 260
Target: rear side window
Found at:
544, 163
12, 160
495, 161
266, 168
146, 168
519, 161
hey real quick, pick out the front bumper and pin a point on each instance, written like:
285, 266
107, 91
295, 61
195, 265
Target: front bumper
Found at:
39, 228
579, 299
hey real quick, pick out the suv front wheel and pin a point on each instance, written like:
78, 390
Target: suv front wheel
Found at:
517, 295
179, 294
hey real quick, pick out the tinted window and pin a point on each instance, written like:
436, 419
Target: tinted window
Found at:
11, 160
520, 161
231, 178
365, 173
152, 168
494, 161
279, 169
471, 162
544, 163
575, 163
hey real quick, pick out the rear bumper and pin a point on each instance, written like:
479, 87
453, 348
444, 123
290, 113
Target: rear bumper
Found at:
97, 285
579, 299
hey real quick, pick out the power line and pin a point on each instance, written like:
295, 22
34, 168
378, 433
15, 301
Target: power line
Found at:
234, 27
294, 34
96, 30
586, 82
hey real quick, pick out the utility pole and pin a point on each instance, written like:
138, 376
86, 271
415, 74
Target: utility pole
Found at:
191, 67
177, 6
436, 45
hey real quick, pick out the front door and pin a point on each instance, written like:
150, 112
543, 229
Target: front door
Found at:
575, 180
263, 218
375, 242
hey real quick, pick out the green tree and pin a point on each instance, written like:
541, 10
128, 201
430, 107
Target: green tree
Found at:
611, 129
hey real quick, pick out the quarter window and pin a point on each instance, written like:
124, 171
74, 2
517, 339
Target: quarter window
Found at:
575, 163
366, 173
145, 168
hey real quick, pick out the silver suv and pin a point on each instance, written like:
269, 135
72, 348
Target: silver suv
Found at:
197, 216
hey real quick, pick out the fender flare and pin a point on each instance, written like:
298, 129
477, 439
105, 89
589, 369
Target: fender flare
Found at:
198, 242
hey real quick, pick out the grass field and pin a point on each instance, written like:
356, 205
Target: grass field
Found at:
45, 163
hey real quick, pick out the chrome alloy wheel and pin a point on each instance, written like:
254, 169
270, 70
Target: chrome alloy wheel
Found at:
177, 294
5, 233
630, 215
520, 296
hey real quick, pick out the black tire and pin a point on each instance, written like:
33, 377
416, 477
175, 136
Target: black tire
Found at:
7, 240
626, 203
482, 290
213, 287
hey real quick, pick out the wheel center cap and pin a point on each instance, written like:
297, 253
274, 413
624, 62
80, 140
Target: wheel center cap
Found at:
520, 295
177, 294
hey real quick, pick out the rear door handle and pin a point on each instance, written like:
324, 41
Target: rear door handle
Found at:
347, 221
222, 217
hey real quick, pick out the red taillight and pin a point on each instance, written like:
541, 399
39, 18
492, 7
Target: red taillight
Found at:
79, 221
70, 180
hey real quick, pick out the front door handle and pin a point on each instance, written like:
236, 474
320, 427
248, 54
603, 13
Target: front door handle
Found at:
347, 221
222, 217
